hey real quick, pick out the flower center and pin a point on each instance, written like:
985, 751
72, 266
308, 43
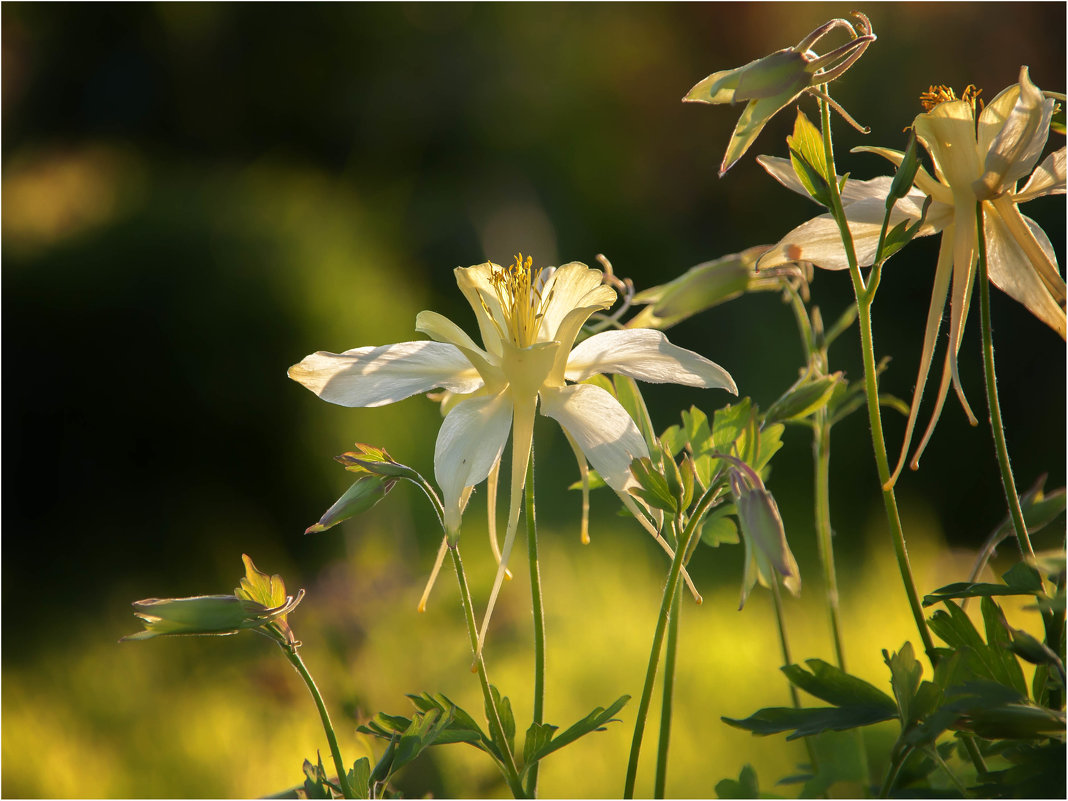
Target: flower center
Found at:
519, 288
944, 94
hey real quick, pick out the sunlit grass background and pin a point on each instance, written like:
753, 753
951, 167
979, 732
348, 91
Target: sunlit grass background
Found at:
196, 196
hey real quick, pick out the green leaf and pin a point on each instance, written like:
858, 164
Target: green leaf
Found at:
315, 783
718, 528
905, 674
968, 589
806, 722
805, 397
809, 160
1023, 578
956, 629
744, 787
831, 684
538, 737
360, 777
504, 707
999, 643
423, 732
630, 398
653, 487
595, 721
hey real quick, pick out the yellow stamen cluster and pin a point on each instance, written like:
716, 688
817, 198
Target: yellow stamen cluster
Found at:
520, 298
943, 94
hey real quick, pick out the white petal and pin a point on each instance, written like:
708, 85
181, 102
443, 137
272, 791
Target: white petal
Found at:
1012, 272
1047, 179
477, 286
820, 241
571, 286
645, 355
948, 133
1018, 143
441, 329
925, 184
470, 442
386, 374
600, 427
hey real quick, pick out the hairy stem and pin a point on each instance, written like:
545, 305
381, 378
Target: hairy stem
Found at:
328, 727
1007, 480
682, 547
864, 299
671, 649
539, 618
511, 775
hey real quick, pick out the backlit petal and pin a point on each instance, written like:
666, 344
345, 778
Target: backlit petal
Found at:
948, 133
386, 374
1010, 271
645, 355
477, 286
569, 287
469, 443
1047, 179
600, 427
1018, 144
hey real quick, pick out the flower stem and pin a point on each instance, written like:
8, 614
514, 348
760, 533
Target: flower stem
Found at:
821, 447
328, 727
539, 619
780, 619
511, 775
1007, 481
682, 547
864, 299
671, 648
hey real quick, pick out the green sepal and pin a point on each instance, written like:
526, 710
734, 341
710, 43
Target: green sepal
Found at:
809, 160
808, 395
364, 493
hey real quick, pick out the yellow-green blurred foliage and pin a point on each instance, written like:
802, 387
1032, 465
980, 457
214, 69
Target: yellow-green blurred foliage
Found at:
228, 717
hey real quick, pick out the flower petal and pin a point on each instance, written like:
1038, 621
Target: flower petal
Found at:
1012, 272
441, 329
1047, 179
477, 286
948, 133
645, 355
923, 180
600, 427
469, 443
376, 376
569, 287
1018, 143
820, 242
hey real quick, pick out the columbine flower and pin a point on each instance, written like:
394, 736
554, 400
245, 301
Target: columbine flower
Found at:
771, 83
972, 165
529, 320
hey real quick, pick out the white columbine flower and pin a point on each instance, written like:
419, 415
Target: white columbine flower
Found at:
973, 163
529, 320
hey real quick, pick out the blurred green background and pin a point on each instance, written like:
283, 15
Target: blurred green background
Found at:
196, 196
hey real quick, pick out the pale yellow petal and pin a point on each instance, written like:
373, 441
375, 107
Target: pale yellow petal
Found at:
948, 133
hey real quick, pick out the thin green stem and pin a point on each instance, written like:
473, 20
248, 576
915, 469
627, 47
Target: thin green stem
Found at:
658, 637
974, 754
328, 727
539, 618
821, 446
780, 620
1007, 480
511, 775
864, 299
671, 649
897, 761
957, 783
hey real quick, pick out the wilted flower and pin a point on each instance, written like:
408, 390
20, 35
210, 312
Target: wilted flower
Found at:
771, 83
766, 550
529, 320
972, 164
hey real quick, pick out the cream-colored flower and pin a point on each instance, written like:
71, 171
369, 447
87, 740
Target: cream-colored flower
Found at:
529, 320
975, 160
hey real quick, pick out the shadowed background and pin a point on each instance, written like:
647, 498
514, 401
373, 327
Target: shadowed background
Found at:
196, 196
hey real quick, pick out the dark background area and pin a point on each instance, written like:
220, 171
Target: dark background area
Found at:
196, 196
